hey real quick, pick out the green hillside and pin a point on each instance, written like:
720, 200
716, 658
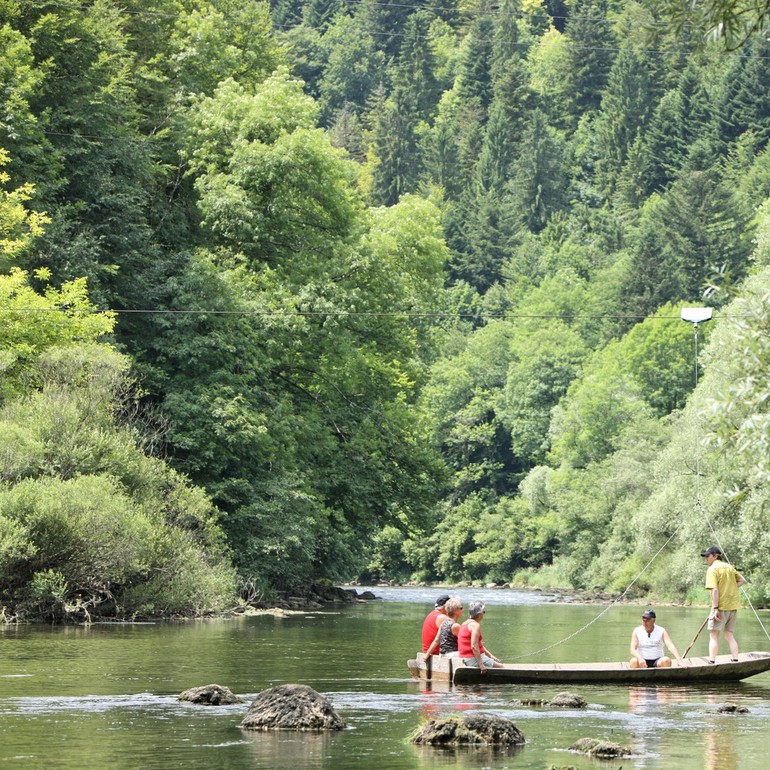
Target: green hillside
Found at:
339, 289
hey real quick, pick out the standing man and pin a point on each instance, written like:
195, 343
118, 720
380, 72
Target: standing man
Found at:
647, 643
722, 581
429, 625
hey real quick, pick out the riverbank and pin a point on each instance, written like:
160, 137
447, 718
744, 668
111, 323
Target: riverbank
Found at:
316, 597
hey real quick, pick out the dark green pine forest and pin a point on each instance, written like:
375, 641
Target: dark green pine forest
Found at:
345, 289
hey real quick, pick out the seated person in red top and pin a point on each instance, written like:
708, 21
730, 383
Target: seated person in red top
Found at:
469, 642
429, 625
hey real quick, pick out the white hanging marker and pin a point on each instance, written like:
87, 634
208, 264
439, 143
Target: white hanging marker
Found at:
696, 315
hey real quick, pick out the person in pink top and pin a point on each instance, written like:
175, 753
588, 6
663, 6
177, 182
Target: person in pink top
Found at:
470, 645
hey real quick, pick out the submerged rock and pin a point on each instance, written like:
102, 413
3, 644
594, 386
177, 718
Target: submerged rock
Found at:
596, 748
731, 708
566, 700
210, 695
470, 729
291, 707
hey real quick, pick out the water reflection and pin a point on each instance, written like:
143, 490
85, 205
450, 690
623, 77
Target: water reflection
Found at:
463, 756
651, 699
719, 753
719, 744
288, 749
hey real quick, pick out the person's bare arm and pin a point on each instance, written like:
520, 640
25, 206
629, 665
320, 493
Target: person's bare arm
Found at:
635, 648
475, 645
715, 603
671, 646
434, 643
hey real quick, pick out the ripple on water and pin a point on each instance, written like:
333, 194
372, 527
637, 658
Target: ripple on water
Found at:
95, 704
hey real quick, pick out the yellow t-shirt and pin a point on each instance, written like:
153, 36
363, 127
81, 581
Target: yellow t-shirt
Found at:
724, 577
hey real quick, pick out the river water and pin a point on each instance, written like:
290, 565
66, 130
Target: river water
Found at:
104, 696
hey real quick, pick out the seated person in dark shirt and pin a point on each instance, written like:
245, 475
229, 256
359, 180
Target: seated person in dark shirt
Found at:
445, 640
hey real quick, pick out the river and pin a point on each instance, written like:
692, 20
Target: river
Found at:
104, 696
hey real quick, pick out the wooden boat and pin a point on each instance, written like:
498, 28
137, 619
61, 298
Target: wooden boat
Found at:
693, 670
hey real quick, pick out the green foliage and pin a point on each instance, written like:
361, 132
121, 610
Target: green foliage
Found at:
737, 415
18, 225
349, 382
30, 323
587, 424
725, 22
220, 40
89, 524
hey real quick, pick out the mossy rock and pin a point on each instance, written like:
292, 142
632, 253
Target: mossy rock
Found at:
469, 730
566, 700
291, 707
598, 748
210, 695
731, 708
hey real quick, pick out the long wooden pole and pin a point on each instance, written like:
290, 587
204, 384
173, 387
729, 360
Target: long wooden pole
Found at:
703, 625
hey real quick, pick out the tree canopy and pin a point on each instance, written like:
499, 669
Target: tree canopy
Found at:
316, 289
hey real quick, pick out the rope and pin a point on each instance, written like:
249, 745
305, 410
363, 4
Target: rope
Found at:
606, 609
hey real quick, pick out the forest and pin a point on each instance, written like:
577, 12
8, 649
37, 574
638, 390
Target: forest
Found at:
354, 289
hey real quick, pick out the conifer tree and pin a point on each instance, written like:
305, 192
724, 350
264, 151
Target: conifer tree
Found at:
538, 186
319, 14
474, 79
508, 117
506, 38
625, 110
745, 105
385, 21
397, 167
682, 115
591, 46
415, 70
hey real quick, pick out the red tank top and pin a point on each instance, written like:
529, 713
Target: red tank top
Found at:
464, 642
429, 629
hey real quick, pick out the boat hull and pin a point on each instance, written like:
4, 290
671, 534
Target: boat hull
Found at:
693, 670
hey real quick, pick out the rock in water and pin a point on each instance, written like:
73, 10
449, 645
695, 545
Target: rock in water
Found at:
596, 748
210, 695
568, 700
291, 707
470, 729
731, 708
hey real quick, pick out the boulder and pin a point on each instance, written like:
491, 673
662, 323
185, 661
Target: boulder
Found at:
291, 707
469, 729
596, 748
328, 592
568, 700
210, 695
